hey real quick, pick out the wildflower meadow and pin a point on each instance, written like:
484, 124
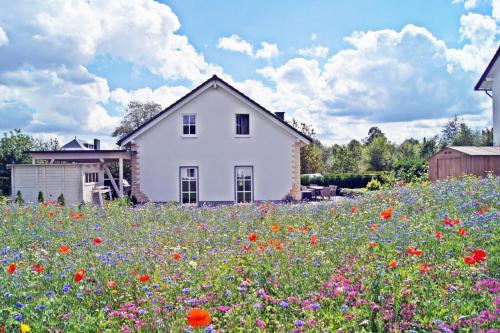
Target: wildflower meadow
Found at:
408, 259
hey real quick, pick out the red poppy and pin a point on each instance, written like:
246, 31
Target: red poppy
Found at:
438, 234
393, 263
64, 249
279, 246
482, 210
144, 278
275, 227
51, 214
177, 256
469, 260
252, 237
246, 248
290, 229
450, 222
11, 269
111, 284
462, 231
314, 239
386, 214
79, 275
198, 318
373, 244
305, 229
354, 210
38, 268
97, 240
479, 255
412, 250
424, 268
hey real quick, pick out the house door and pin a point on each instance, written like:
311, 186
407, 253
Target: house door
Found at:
189, 185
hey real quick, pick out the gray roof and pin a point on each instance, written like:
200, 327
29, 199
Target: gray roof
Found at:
75, 144
480, 151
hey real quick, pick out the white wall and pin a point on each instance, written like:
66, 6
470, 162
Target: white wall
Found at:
216, 151
496, 107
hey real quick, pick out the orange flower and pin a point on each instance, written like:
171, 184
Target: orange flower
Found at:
275, 227
482, 210
354, 210
252, 237
144, 278
438, 234
374, 227
51, 214
11, 269
198, 318
386, 214
469, 260
305, 229
393, 263
177, 256
424, 268
450, 222
79, 275
38, 268
97, 240
279, 246
64, 249
290, 229
414, 251
462, 231
111, 284
373, 244
314, 239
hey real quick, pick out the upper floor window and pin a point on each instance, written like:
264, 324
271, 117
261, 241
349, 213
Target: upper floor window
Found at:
242, 124
189, 124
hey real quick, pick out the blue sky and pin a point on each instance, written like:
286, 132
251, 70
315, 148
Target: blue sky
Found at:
70, 67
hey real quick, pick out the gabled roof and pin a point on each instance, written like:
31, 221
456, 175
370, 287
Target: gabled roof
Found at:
214, 80
486, 80
478, 151
75, 144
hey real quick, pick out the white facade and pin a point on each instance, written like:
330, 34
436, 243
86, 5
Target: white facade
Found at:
216, 150
54, 179
496, 106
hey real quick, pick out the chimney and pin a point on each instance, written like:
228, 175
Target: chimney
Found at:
280, 115
97, 144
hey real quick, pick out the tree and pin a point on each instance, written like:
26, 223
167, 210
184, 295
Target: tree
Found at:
12, 151
373, 133
136, 114
429, 147
311, 157
486, 138
378, 154
450, 130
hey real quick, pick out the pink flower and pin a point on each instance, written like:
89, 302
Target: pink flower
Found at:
224, 308
260, 323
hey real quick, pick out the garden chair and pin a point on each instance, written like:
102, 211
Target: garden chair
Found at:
325, 193
333, 189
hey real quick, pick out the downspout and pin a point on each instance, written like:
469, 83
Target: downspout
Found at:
486, 92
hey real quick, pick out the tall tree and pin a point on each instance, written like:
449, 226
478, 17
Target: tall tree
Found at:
373, 133
136, 114
311, 157
378, 154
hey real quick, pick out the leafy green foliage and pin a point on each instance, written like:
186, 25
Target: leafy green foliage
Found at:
373, 185
343, 180
40, 197
60, 200
19, 198
136, 114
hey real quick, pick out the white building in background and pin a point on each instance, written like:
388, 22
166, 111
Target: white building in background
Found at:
215, 145
490, 84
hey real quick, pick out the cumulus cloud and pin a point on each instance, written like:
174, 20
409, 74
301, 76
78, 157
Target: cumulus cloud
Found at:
3, 37
267, 51
164, 95
315, 51
468, 4
236, 44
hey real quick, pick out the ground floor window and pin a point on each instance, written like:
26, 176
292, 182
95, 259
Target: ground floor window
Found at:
244, 183
189, 185
91, 177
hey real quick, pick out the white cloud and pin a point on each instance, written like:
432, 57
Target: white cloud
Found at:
496, 9
3, 37
468, 4
236, 44
267, 51
164, 95
315, 51
314, 36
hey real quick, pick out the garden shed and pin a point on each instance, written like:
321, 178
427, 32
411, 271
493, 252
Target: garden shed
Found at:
457, 161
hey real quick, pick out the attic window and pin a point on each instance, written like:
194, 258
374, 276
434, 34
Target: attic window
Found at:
189, 124
242, 124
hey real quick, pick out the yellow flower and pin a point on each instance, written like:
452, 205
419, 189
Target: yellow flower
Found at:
193, 264
25, 328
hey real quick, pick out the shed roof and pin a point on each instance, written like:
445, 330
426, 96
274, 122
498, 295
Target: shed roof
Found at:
486, 80
479, 151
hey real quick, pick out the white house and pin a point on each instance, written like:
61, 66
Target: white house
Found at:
490, 82
215, 145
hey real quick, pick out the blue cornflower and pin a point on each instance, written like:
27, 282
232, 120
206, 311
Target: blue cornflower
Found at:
66, 287
18, 317
228, 293
40, 307
20, 305
343, 308
142, 311
79, 295
284, 304
299, 323
186, 290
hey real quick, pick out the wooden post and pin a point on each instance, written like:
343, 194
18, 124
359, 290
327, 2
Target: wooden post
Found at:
120, 175
110, 176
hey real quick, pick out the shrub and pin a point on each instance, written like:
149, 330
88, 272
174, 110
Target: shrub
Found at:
19, 198
410, 170
373, 185
40, 197
342, 180
60, 199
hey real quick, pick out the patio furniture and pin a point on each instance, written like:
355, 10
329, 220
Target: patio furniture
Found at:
316, 190
306, 194
333, 189
325, 193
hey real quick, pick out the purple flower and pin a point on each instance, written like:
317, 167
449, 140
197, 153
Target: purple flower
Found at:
260, 323
299, 323
283, 304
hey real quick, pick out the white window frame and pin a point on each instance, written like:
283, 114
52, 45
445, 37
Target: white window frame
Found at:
91, 177
245, 191
189, 124
189, 180
236, 125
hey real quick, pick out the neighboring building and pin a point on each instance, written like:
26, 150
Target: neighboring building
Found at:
459, 161
78, 144
490, 82
215, 145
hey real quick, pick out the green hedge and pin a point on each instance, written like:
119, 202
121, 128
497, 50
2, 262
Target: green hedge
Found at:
4, 185
344, 180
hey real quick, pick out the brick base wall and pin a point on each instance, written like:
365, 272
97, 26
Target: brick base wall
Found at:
136, 181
